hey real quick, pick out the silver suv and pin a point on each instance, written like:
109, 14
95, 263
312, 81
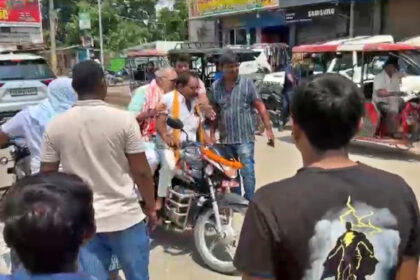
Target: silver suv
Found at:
24, 80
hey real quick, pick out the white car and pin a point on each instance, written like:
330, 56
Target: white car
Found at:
24, 80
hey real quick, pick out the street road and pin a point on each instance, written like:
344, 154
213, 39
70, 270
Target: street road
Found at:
173, 255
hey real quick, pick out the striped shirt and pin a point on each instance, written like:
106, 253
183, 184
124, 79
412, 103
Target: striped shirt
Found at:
235, 110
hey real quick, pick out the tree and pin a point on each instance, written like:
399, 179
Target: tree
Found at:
135, 9
174, 22
123, 24
65, 8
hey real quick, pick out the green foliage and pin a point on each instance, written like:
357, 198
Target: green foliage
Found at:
125, 22
174, 22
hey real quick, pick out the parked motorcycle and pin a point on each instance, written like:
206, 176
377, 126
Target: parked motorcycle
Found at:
15, 159
271, 94
200, 199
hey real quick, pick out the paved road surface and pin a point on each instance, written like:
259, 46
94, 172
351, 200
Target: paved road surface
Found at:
173, 256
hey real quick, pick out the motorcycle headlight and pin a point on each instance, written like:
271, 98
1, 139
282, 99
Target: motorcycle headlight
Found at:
230, 172
209, 170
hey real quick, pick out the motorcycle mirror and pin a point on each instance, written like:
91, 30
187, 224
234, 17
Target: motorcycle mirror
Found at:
174, 123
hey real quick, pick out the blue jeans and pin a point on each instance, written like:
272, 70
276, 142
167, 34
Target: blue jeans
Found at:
245, 153
131, 246
287, 101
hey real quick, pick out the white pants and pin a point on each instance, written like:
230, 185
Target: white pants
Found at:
167, 170
153, 160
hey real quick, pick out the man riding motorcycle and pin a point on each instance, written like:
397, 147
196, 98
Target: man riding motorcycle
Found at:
182, 103
145, 103
182, 64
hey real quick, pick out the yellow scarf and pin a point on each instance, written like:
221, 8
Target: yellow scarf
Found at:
176, 108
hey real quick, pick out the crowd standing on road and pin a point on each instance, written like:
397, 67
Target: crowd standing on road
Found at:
339, 226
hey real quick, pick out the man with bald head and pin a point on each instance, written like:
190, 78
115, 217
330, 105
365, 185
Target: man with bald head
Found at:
165, 82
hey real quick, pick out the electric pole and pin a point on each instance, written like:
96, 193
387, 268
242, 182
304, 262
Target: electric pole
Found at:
351, 31
101, 39
53, 48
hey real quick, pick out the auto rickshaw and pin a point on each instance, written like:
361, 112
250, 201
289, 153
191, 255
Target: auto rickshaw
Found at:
204, 57
361, 60
137, 61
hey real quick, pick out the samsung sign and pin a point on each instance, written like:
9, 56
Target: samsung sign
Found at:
307, 14
321, 13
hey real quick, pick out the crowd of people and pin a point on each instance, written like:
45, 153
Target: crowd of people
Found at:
335, 218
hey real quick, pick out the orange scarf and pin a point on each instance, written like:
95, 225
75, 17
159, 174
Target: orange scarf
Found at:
176, 112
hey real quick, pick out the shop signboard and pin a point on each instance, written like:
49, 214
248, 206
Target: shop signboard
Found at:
309, 13
209, 8
20, 11
84, 21
20, 22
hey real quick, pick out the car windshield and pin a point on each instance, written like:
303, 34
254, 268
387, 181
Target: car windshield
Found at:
25, 70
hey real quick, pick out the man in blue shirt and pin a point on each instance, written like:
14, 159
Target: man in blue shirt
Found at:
235, 99
47, 218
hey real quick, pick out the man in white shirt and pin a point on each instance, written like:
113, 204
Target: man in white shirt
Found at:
386, 93
182, 104
145, 104
103, 146
182, 64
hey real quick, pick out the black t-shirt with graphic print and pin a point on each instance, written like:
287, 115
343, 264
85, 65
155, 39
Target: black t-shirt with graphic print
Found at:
348, 223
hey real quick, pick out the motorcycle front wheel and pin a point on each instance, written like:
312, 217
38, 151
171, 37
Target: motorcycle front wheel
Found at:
217, 250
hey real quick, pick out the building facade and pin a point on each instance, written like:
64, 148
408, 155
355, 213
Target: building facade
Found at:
241, 22
401, 18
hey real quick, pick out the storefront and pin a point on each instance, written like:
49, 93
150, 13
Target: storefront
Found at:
244, 22
316, 23
260, 27
241, 22
401, 18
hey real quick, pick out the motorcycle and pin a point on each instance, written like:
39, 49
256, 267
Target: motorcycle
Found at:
271, 94
15, 159
200, 199
375, 128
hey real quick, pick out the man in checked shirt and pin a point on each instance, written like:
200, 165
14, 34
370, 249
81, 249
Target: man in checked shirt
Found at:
234, 99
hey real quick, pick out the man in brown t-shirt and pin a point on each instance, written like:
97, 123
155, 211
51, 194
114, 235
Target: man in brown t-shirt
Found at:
103, 146
336, 218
